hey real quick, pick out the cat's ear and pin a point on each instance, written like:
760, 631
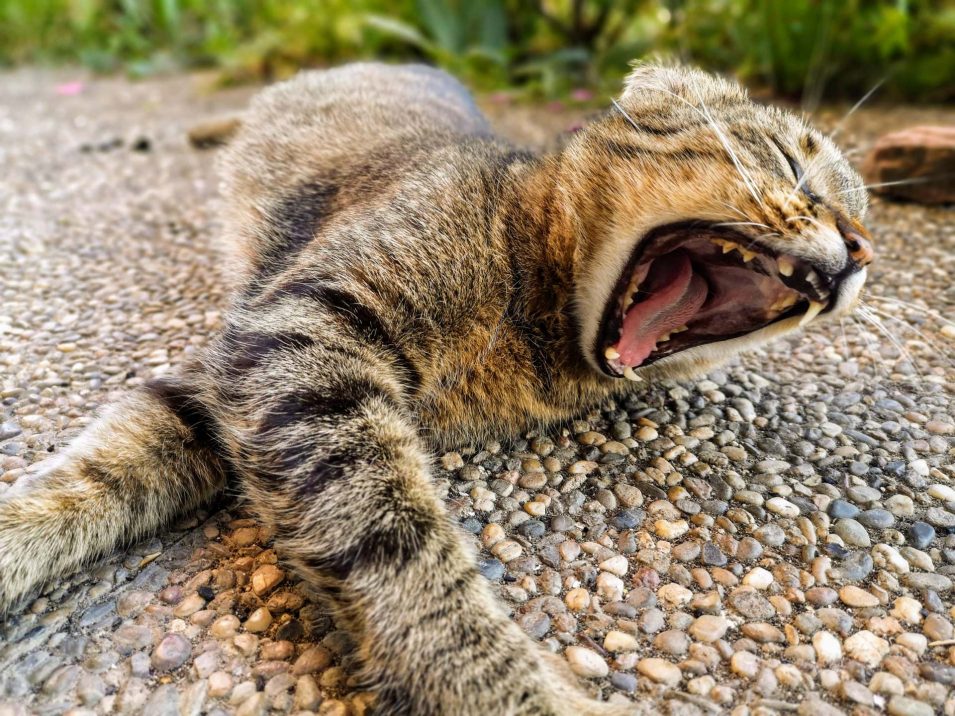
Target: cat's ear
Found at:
655, 81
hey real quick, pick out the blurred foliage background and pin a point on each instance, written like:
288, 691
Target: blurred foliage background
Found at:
811, 50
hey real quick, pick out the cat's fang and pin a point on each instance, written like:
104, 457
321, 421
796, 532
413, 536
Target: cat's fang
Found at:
611, 353
630, 375
814, 309
785, 265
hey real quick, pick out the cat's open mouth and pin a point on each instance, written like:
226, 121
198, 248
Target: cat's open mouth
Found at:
695, 283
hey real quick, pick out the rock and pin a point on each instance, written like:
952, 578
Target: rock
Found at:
171, 653
852, 533
907, 609
312, 660
266, 578
927, 580
842, 509
259, 620
856, 597
866, 647
758, 578
920, 534
213, 132
745, 664
617, 641
586, 663
708, 628
660, 670
751, 604
905, 706
615, 565
827, 646
925, 155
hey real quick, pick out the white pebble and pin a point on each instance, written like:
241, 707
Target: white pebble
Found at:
586, 663
782, 507
619, 641
616, 565
827, 646
866, 647
942, 492
758, 578
610, 587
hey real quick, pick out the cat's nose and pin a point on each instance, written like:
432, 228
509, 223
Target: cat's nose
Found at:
857, 241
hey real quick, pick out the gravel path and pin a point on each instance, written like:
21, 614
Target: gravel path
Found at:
778, 537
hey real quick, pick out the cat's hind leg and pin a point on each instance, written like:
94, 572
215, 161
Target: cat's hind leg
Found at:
146, 460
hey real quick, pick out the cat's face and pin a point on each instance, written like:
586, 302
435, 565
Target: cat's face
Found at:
719, 225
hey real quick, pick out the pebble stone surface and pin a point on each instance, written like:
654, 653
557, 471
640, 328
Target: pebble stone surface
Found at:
777, 537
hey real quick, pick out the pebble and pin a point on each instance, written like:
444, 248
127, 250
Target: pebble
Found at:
852, 533
866, 647
708, 628
856, 597
920, 534
661, 671
170, 653
266, 578
827, 646
904, 706
586, 663
259, 620
758, 578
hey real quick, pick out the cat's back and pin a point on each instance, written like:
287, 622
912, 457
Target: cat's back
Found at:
343, 131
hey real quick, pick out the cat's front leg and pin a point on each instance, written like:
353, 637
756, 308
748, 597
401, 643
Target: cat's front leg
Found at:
332, 461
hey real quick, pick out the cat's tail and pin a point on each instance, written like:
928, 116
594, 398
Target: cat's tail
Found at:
146, 460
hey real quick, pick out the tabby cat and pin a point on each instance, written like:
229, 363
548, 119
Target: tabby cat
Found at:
406, 281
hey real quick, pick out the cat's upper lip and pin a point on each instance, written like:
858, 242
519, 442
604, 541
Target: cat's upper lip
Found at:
750, 285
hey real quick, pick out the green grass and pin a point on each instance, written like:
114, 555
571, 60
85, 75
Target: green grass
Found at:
813, 49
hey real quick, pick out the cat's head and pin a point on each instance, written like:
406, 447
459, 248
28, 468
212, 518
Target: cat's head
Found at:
707, 225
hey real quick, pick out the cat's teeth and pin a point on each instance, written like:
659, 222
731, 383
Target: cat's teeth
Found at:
747, 255
664, 338
814, 308
630, 375
729, 246
611, 354
813, 278
785, 265
682, 328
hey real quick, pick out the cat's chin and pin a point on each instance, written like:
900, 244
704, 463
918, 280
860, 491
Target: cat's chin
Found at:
694, 293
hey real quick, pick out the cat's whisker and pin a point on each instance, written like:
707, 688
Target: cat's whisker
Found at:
735, 209
743, 223
724, 140
912, 306
900, 182
873, 352
845, 339
877, 322
626, 116
707, 117
932, 343
865, 98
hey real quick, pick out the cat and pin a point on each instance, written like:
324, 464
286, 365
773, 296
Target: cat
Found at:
405, 281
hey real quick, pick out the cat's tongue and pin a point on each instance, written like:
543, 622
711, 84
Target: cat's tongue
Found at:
671, 295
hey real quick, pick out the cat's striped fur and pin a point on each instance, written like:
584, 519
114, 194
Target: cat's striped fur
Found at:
405, 281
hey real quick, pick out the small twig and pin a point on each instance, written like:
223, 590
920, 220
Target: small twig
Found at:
942, 642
